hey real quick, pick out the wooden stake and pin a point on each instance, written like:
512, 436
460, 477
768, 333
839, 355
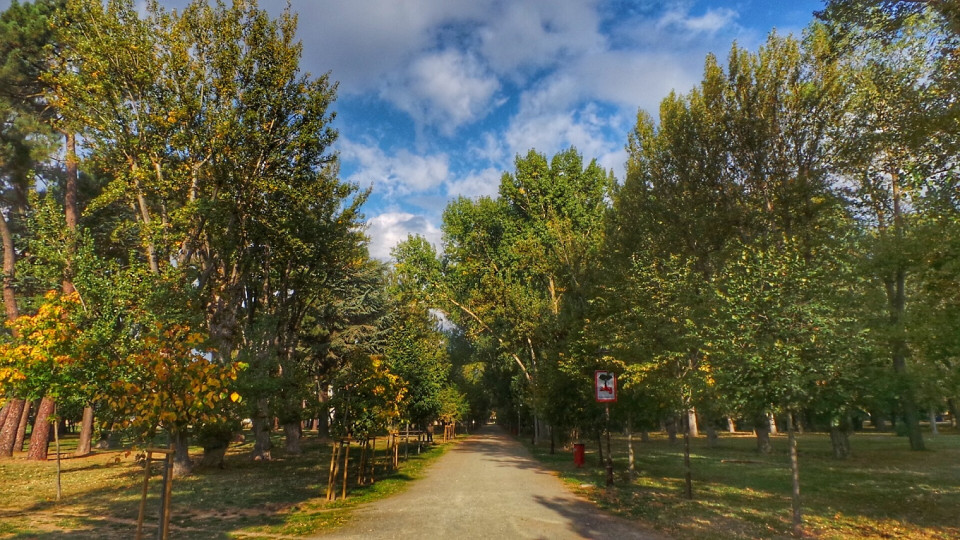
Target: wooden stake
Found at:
167, 488
346, 469
143, 497
373, 462
363, 462
332, 479
56, 438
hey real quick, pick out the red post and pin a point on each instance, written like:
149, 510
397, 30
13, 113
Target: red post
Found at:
579, 452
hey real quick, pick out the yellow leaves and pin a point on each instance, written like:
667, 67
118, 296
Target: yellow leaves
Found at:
171, 382
235, 397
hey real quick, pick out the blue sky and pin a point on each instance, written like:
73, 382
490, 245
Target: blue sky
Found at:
437, 97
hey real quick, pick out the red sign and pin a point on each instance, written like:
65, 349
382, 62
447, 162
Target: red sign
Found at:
605, 386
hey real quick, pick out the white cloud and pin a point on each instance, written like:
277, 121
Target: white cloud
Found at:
540, 33
595, 133
389, 229
444, 89
713, 20
635, 79
363, 41
485, 183
400, 174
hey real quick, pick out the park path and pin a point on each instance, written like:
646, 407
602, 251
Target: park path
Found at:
488, 486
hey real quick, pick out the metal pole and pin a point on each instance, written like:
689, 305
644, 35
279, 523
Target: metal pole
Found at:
609, 453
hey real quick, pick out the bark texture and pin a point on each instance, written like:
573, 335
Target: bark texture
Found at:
795, 476
762, 430
40, 436
182, 465
9, 271
840, 441
692, 426
22, 429
8, 433
671, 426
86, 433
261, 434
292, 432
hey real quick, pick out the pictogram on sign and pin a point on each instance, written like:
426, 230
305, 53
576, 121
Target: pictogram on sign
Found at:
605, 384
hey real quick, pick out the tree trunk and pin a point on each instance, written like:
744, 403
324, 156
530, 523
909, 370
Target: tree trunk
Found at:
40, 436
878, 421
762, 429
631, 464
952, 406
840, 441
795, 474
213, 455
22, 426
671, 425
323, 421
895, 288
908, 405
182, 465
692, 426
553, 440
933, 422
291, 431
773, 423
712, 435
86, 433
687, 469
9, 271
3, 414
731, 426
108, 438
70, 210
8, 433
644, 436
261, 433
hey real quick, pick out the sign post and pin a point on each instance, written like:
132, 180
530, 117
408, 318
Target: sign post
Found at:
605, 390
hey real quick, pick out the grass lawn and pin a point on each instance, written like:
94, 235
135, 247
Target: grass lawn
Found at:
882, 491
101, 494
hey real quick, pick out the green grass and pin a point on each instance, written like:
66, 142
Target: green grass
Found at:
882, 491
247, 499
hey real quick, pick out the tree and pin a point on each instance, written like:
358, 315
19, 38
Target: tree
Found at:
220, 181
894, 153
25, 139
172, 384
515, 270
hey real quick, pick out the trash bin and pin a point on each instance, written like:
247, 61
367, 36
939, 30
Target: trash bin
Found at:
579, 450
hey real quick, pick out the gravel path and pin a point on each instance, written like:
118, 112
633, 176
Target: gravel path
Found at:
487, 487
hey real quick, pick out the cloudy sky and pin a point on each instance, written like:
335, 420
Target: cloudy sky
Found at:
437, 97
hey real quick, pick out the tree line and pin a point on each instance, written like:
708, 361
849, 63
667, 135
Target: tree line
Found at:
179, 252
782, 249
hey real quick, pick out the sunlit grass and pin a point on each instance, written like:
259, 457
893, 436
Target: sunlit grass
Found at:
882, 491
101, 494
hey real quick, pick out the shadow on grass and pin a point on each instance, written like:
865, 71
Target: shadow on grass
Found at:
245, 497
883, 490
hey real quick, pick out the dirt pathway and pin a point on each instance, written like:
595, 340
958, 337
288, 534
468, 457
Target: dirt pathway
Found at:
487, 487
